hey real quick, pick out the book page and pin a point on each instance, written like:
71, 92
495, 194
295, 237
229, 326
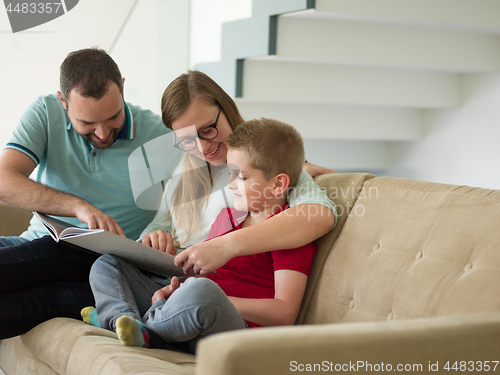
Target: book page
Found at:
142, 256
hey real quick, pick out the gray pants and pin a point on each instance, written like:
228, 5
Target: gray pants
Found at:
195, 310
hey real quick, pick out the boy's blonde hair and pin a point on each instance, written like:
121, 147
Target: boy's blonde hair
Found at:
271, 146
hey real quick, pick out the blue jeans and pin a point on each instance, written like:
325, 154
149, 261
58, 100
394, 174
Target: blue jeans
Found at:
197, 309
40, 280
11, 241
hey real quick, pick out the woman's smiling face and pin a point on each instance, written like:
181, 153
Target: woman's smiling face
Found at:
201, 115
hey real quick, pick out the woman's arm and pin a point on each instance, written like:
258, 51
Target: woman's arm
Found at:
289, 289
315, 170
159, 222
311, 216
306, 191
294, 227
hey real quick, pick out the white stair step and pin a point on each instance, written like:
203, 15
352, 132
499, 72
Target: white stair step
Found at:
341, 122
309, 35
280, 80
481, 15
349, 156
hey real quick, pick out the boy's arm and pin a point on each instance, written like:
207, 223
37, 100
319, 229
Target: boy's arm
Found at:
289, 289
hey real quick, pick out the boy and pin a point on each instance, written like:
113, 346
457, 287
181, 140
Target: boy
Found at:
249, 291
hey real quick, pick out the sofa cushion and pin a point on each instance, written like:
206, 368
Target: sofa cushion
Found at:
68, 346
412, 249
16, 359
105, 355
343, 189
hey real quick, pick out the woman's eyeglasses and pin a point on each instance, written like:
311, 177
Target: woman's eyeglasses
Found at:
206, 134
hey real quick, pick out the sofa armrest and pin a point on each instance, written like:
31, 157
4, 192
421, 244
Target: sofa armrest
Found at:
13, 221
415, 344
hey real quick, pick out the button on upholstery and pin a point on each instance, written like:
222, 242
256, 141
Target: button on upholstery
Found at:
419, 255
468, 267
351, 304
376, 247
390, 316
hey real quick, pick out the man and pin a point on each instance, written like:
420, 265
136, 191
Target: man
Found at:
80, 141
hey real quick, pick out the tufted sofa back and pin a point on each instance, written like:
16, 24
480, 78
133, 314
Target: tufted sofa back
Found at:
408, 249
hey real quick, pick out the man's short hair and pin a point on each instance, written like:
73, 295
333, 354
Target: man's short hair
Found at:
271, 146
89, 71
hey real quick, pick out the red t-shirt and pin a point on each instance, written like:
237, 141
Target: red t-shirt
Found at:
252, 276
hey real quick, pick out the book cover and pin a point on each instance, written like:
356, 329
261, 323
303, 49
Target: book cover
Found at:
103, 242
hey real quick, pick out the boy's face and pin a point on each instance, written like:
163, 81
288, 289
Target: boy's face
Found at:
252, 192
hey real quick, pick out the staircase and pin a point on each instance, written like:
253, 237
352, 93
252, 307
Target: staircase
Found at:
356, 76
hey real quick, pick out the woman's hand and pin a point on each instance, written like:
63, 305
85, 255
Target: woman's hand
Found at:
205, 257
166, 291
316, 170
160, 240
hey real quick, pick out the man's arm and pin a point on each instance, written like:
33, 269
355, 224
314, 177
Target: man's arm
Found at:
17, 189
283, 309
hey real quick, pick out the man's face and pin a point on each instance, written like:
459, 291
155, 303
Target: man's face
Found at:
99, 121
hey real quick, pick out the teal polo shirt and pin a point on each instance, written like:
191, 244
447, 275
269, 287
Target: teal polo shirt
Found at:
68, 163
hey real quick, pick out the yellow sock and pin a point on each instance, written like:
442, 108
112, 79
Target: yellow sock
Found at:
131, 332
89, 315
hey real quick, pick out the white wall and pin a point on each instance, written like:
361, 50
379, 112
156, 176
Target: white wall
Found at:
29, 65
207, 17
151, 50
461, 146
163, 38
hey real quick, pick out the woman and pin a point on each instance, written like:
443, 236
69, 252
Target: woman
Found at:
193, 101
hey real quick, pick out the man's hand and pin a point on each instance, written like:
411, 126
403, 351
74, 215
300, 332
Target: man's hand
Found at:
204, 257
160, 240
96, 219
315, 170
166, 291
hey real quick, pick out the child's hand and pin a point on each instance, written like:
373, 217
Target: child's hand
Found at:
160, 240
166, 291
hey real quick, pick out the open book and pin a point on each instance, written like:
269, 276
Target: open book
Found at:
103, 242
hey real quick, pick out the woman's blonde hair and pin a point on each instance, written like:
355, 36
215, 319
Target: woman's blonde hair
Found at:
190, 196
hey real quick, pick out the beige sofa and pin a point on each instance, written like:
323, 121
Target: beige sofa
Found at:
409, 280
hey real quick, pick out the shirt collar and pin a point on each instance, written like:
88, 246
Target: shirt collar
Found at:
238, 217
128, 131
